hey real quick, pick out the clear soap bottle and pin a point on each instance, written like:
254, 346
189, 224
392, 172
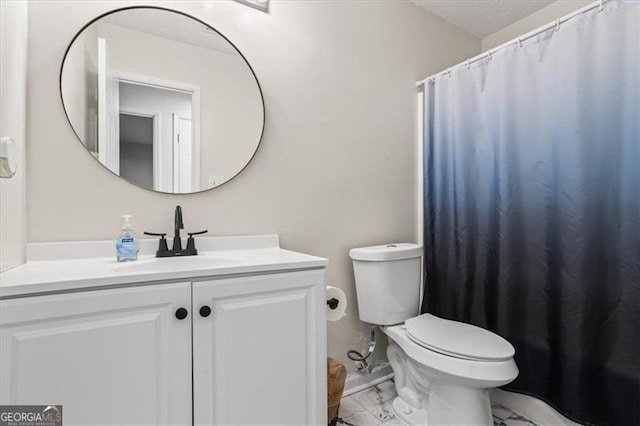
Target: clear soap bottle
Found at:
127, 245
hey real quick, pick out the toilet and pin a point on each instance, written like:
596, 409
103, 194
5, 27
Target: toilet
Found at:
443, 369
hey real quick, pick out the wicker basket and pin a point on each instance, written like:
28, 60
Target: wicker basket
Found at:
336, 376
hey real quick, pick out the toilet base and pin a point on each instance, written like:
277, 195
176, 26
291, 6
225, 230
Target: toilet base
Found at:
434, 396
459, 405
476, 408
408, 414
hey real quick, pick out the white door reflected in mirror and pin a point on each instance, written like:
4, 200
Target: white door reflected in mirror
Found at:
156, 134
162, 100
183, 179
107, 146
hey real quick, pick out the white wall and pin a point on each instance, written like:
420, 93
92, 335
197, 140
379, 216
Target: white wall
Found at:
13, 96
537, 19
335, 169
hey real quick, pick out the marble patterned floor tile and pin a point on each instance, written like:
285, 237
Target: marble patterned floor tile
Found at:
377, 400
393, 422
349, 406
500, 412
373, 407
376, 396
516, 419
363, 418
383, 412
503, 416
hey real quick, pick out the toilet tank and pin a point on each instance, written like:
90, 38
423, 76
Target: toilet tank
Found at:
387, 282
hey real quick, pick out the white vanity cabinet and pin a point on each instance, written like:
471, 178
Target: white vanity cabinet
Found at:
116, 356
259, 350
250, 350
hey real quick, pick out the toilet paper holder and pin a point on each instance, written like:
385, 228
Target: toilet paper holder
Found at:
333, 303
336, 303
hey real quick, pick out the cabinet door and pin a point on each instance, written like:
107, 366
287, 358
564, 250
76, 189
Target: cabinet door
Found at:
116, 356
260, 356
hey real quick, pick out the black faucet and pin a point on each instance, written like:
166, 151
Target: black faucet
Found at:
177, 241
163, 250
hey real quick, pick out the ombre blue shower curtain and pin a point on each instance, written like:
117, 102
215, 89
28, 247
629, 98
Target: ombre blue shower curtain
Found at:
532, 209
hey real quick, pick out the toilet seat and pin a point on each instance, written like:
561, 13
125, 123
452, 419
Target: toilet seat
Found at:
457, 339
450, 369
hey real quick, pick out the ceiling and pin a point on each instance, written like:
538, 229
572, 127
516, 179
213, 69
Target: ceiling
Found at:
482, 17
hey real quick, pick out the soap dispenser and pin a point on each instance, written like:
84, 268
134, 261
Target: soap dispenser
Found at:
127, 244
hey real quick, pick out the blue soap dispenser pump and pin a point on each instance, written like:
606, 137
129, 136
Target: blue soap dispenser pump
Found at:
127, 244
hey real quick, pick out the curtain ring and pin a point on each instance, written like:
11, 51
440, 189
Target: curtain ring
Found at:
489, 55
519, 41
448, 72
468, 64
601, 6
557, 25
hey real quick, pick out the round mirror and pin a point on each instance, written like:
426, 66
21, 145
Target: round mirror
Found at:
162, 99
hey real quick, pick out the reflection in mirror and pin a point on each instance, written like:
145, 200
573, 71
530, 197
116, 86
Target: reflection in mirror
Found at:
162, 100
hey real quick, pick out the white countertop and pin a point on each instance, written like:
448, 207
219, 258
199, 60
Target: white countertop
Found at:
55, 271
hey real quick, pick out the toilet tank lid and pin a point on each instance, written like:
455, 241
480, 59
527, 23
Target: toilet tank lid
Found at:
394, 251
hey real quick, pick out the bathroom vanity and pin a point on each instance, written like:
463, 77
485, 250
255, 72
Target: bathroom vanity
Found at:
235, 335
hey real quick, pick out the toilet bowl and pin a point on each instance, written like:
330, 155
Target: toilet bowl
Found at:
438, 387
443, 369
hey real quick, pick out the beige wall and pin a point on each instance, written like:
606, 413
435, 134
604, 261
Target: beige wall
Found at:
13, 96
542, 17
336, 166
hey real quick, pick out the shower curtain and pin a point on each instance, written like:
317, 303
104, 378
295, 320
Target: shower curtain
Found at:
532, 209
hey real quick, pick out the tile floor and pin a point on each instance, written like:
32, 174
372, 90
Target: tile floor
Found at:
372, 407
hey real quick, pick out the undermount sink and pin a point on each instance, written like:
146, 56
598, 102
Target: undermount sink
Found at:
204, 260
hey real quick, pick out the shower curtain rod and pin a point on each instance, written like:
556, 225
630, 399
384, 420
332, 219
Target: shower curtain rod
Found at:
518, 40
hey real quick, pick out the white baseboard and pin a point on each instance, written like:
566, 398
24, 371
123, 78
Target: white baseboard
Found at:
362, 380
531, 408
